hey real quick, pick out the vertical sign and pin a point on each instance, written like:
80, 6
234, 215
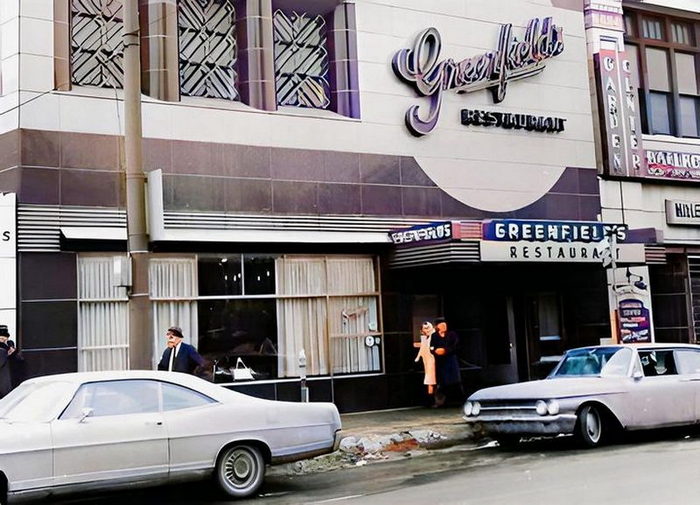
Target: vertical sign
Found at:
621, 129
8, 261
635, 322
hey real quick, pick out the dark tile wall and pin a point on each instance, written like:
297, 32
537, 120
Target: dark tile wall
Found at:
48, 312
83, 169
62, 168
349, 394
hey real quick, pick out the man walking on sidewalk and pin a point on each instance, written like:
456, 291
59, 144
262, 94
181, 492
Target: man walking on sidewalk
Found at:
179, 356
443, 345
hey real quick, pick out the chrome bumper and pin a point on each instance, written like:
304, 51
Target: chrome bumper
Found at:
526, 425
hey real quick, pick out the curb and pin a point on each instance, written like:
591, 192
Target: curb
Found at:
359, 450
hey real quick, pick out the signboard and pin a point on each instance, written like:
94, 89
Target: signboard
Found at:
635, 323
623, 153
558, 252
8, 260
514, 240
513, 59
680, 212
513, 230
422, 233
509, 121
673, 165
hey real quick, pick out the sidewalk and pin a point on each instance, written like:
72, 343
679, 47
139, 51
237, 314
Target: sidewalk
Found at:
389, 434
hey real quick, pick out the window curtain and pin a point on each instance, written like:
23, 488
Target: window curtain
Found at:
351, 276
352, 320
314, 308
103, 320
301, 322
173, 287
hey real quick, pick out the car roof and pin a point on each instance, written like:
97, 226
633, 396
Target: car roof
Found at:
651, 345
112, 375
182, 379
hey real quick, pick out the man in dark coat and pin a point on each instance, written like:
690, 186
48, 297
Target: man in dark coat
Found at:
14, 357
443, 345
5, 379
179, 356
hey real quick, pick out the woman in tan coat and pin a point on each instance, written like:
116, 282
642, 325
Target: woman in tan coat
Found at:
428, 359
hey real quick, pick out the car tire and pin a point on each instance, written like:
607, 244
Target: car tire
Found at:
590, 428
240, 470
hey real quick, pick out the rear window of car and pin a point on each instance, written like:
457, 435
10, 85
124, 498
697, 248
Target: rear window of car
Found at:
177, 397
688, 361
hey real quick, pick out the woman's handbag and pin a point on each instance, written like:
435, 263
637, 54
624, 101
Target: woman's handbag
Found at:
241, 372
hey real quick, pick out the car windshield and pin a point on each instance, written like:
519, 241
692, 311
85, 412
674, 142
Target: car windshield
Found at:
595, 361
34, 401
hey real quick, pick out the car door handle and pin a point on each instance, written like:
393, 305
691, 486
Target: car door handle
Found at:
154, 423
693, 379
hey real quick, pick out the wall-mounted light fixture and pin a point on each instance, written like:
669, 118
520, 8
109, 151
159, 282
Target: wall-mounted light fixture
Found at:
639, 283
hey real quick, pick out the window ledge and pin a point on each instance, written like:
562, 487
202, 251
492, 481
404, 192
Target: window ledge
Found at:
670, 139
207, 103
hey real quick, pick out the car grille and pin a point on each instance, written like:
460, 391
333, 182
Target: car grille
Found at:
510, 409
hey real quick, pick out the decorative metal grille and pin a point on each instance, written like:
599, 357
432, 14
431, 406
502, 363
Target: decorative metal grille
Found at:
208, 49
97, 50
301, 60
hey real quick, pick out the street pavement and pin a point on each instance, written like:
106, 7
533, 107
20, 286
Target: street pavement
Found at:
389, 434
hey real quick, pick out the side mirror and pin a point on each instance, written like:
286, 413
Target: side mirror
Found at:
85, 413
637, 374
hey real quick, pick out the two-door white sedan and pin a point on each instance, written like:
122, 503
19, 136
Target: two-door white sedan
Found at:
73, 432
594, 392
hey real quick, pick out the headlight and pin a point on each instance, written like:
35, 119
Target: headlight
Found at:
541, 407
552, 407
476, 408
468, 409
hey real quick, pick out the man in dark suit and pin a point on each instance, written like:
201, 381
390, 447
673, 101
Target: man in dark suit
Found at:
179, 356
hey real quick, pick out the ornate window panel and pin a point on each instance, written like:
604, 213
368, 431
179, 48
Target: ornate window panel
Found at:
96, 43
208, 50
301, 60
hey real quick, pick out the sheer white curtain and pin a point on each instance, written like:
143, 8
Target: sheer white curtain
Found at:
304, 321
301, 322
352, 319
173, 285
103, 318
351, 275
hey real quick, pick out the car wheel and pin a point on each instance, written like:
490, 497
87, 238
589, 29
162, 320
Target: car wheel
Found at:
589, 426
240, 470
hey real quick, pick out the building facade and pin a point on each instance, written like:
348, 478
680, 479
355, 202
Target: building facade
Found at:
646, 60
321, 176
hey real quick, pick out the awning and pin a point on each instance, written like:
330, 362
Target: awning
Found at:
273, 236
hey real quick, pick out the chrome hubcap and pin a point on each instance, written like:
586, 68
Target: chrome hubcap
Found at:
239, 469
593, 425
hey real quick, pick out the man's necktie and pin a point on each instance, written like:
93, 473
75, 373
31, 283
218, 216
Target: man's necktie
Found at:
172, 359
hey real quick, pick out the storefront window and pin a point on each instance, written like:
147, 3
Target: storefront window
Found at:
103, 319
241, 328
259, 275
220, 275
327, 306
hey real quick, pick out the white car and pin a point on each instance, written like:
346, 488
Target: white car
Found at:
80, 431
594, 392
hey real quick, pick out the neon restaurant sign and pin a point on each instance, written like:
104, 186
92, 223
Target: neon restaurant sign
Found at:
420, 67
